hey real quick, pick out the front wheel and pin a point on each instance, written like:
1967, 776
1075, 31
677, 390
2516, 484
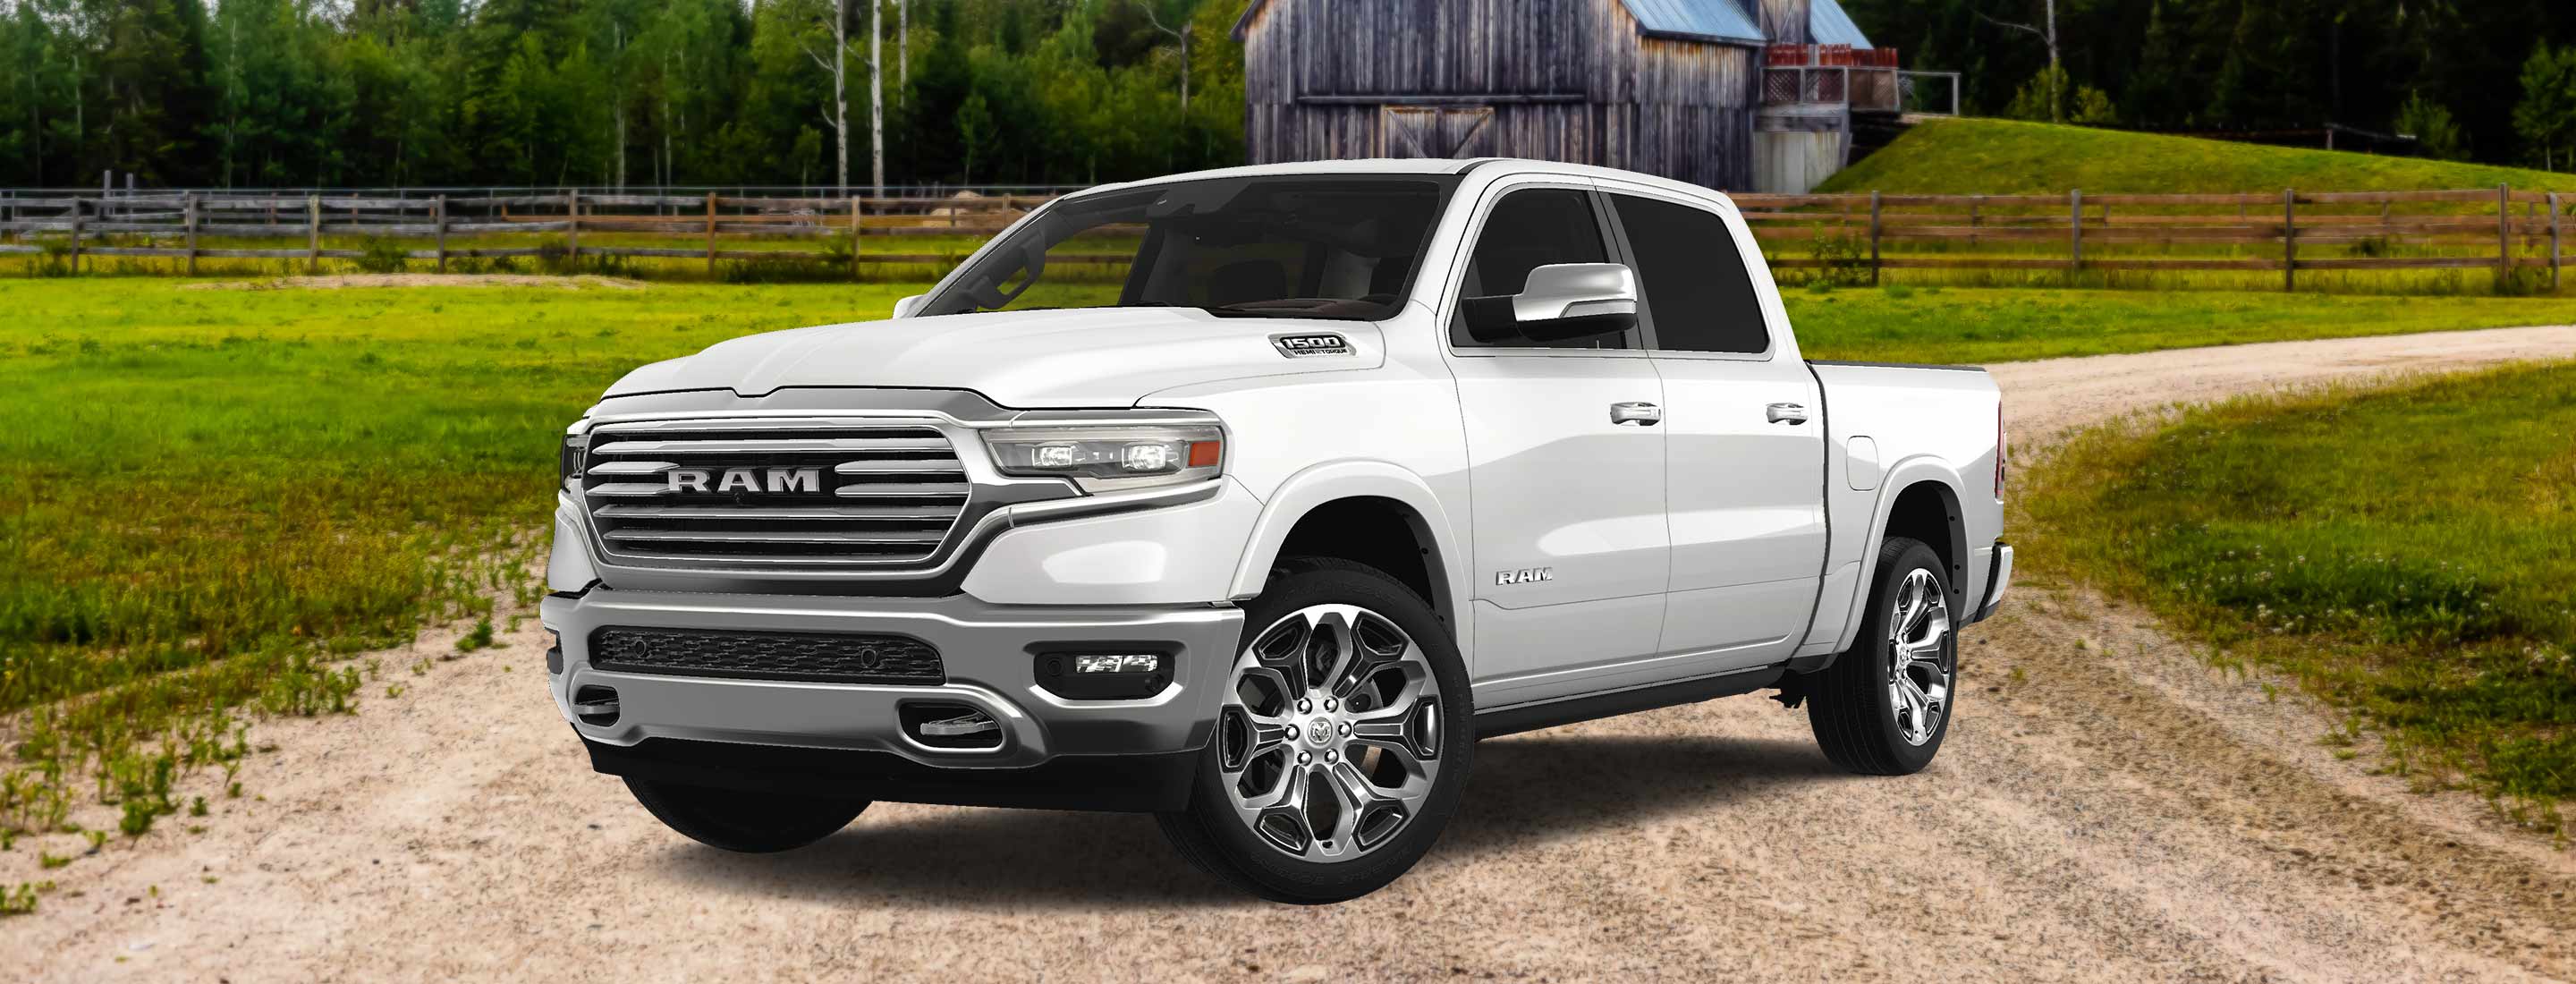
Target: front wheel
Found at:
1342, 743
1883, 708
752, 823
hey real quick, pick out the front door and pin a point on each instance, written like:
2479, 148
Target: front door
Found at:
1744, 426
1567, 502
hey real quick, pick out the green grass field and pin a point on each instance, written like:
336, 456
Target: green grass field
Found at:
2405, 554
2005, 157
217, 491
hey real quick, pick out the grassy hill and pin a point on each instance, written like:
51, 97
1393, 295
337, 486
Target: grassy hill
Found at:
1981, 156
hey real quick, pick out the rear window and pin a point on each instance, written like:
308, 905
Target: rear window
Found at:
1699, 295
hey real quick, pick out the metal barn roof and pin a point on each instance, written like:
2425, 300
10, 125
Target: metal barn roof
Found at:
1828, 24
1700, 20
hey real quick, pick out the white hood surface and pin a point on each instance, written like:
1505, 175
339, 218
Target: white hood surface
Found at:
1088, 357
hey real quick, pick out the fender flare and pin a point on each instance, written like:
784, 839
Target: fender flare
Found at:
1318, 485
1904, 475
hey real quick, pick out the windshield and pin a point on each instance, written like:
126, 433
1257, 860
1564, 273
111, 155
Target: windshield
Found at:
1297, 246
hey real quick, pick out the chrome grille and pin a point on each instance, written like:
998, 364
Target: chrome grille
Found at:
772, 493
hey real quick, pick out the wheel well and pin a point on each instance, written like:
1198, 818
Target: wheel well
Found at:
1380, 532
1929, 512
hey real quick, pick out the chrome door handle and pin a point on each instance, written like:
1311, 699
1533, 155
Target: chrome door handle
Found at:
1640, 414
1792, 414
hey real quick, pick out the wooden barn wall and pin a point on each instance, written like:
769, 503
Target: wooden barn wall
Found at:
1784, 21
1679, 109
1418, 47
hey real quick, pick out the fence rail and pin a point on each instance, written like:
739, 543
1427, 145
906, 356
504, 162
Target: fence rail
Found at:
2288, 232
173, 225
2472, 229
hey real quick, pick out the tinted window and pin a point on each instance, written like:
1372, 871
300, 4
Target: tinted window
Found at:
1699, 296
1304, 247
1527, 230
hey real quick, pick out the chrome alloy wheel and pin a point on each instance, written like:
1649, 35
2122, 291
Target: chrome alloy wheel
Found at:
1920, 667
1329, 737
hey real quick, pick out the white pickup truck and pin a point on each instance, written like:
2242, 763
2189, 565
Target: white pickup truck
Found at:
1252, 499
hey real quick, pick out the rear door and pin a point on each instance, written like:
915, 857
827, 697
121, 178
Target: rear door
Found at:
1744, 431
1568, 504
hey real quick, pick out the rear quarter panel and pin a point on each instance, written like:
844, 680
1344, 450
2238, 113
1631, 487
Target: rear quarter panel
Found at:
1890, 428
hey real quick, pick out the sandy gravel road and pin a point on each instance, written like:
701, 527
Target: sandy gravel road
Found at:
2105, 810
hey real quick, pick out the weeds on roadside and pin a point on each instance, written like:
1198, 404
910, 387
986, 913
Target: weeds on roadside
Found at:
2372, 548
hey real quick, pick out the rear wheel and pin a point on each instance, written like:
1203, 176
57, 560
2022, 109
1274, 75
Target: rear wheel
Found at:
752, 823
1883, 708
1341, 745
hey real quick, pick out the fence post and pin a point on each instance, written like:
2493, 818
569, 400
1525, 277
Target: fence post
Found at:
76, 234
572, 227
711, 234
2289, 239
2075, 236
1874, 238
188, 213
312, 234
2504, 235
854, 237
438, 219
1976, 217
2555, 260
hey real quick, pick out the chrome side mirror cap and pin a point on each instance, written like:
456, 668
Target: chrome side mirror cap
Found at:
1559, 301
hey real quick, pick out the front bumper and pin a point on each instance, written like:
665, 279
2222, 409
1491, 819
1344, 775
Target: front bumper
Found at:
988, 651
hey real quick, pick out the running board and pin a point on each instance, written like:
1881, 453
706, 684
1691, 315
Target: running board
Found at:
1518, 718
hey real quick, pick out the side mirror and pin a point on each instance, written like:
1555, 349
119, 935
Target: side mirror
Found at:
904, 308
1560, 301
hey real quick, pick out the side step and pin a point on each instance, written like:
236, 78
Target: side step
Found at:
1518, 718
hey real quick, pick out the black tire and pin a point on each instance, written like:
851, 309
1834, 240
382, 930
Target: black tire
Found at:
751, 823
1856, 718
1213, 837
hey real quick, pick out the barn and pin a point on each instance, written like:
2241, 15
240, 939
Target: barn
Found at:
1670, 87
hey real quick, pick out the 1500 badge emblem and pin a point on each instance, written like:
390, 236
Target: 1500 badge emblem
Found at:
1526, 575
1319, 343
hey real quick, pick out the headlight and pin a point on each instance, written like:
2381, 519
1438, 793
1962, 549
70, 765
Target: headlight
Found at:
1109, 459
570, 456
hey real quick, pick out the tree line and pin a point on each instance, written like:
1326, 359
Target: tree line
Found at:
817, 93
2468, 78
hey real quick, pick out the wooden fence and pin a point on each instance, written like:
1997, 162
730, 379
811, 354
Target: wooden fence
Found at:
2287, 232
177, 225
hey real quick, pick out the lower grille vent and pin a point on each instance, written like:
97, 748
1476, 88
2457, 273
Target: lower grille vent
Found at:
832, 658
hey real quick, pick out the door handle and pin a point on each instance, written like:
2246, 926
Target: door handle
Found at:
1640, 414
1792, 414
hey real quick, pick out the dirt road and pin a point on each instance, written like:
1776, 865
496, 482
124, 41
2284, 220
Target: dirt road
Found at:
2105, 810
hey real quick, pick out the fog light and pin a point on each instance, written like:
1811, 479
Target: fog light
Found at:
1103, 676
1118, 663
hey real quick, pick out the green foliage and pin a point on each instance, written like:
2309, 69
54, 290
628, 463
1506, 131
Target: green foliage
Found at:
2432, 127
2042, 99
2546, 116
604, 92
1843, 261
2372, 548
2243, 64
1980, 156
381, 255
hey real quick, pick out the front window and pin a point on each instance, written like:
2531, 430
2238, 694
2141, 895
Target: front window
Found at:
1297, 246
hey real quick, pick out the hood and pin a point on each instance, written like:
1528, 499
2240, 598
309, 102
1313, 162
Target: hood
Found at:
1092, 357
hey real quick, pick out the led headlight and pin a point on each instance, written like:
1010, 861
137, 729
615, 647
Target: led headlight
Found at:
1108, 459
570, 457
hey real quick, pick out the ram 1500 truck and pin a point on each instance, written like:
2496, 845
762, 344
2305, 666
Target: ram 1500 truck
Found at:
1252, 499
